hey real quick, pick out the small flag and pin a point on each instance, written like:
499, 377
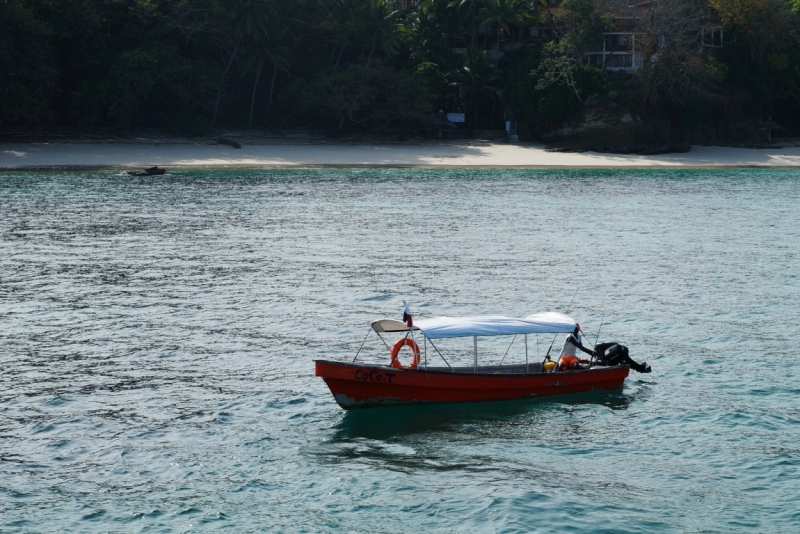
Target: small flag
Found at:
407, 316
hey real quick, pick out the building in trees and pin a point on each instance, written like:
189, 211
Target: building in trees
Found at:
645, 20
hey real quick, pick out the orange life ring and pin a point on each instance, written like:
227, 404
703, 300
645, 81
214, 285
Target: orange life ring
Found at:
406, 341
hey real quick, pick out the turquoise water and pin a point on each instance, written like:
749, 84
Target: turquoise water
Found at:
157, 337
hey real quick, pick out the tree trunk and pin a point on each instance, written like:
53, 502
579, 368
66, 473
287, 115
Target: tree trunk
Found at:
253, 97
272, 86
475, 120
333, 52
335, 67
448, 50
222, 80
371, 52
497, 52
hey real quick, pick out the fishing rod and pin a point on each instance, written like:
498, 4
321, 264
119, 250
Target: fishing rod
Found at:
598, 334
547, 356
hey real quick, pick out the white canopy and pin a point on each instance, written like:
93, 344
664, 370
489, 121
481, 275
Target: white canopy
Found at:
494, 325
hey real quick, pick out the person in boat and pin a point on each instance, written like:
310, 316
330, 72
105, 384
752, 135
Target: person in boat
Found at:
573, 343
608, 353
568, 358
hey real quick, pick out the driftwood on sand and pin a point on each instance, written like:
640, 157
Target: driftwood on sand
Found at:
152, 171
229, 142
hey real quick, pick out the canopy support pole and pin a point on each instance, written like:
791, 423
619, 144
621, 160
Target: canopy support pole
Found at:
362, 346
527, 368
425, 350
509, 348
384, 342
475, 346
440, 354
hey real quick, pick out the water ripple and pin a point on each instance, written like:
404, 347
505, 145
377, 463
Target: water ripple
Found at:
157, 337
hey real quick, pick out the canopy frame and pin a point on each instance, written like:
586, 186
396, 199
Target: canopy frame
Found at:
478, 326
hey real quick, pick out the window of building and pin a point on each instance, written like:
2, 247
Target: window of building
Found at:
619, 61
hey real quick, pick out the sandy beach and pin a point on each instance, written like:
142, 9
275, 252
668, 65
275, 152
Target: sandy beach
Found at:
452, 154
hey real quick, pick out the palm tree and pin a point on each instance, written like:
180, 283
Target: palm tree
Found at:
250, 25
472, 8
382, 27
501, 13
269, 47
474, 79
254, 19
280, 57
426, 35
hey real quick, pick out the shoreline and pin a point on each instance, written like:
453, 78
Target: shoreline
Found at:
124, 168
452, 154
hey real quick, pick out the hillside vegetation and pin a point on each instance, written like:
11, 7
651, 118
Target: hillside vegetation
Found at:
372, 65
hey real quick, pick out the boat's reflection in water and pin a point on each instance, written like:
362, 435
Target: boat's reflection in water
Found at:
392, 422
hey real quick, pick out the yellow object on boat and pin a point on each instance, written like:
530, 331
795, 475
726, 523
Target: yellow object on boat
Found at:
549, 366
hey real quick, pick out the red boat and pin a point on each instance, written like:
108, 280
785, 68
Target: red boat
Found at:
356, 385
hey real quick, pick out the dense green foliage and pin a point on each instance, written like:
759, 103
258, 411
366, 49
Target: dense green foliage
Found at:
370, 65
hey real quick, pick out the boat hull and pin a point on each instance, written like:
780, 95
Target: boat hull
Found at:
357, 386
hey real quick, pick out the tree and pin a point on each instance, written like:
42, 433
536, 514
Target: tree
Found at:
765, 23
117, 95
251, 25
470, 9
268, 45
370, 95
27, 74
382, 27
502, 13
280, 57
580, 30
183, 64
475, 78
426, 34
672, 70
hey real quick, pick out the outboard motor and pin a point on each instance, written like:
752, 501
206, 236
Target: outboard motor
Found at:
611, 353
